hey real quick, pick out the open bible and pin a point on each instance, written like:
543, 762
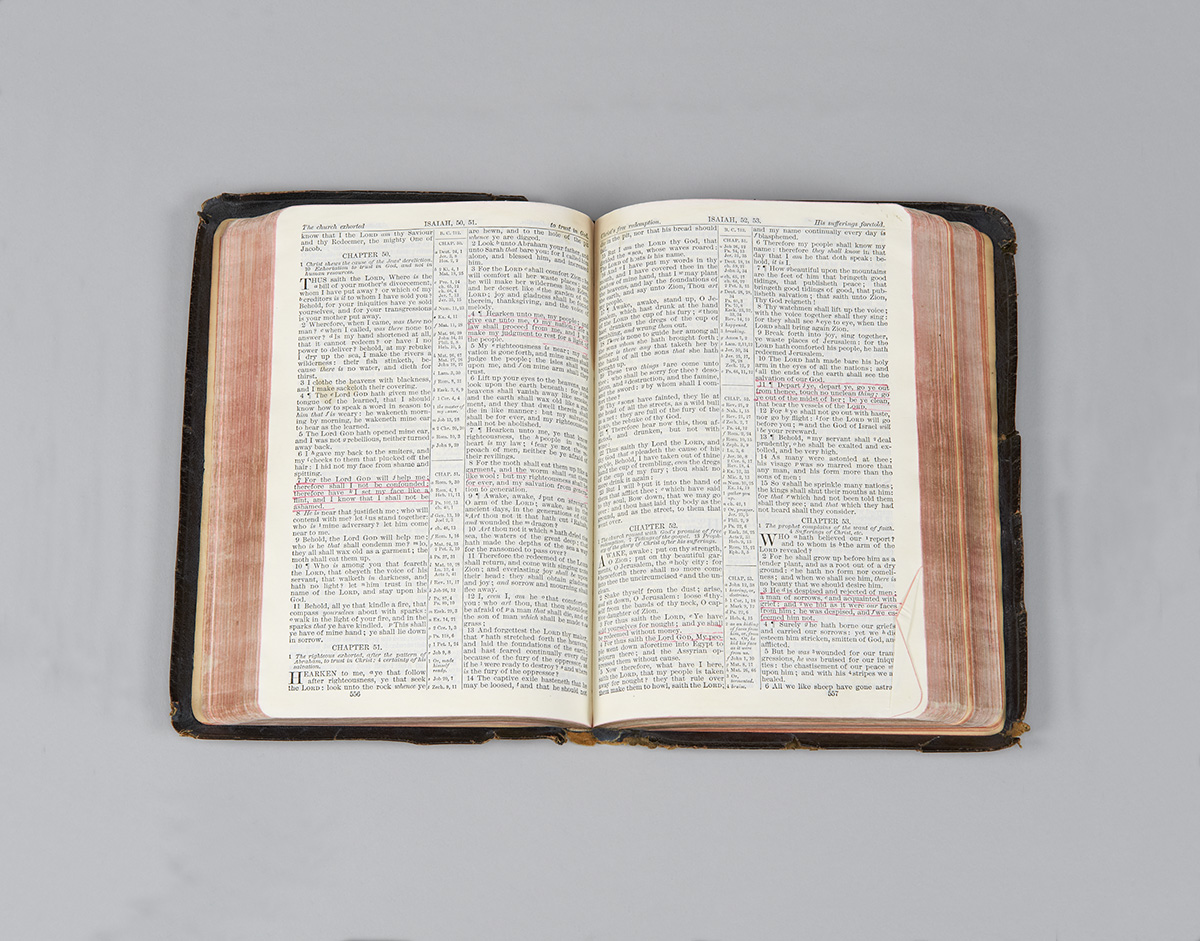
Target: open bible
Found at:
697, 472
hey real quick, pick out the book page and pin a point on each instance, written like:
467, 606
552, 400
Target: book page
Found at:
757, 505
427, 528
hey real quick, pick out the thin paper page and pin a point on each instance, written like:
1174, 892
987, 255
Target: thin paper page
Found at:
757, 493
427, 546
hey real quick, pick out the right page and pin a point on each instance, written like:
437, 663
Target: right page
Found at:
758, 519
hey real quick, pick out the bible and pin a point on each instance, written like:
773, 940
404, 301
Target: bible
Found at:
698, 472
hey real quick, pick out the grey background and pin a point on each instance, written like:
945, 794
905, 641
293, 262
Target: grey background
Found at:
118, 119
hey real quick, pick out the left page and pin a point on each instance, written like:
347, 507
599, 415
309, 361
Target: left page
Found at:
427, 524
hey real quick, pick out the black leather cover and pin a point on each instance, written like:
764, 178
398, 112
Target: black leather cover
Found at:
991, 222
